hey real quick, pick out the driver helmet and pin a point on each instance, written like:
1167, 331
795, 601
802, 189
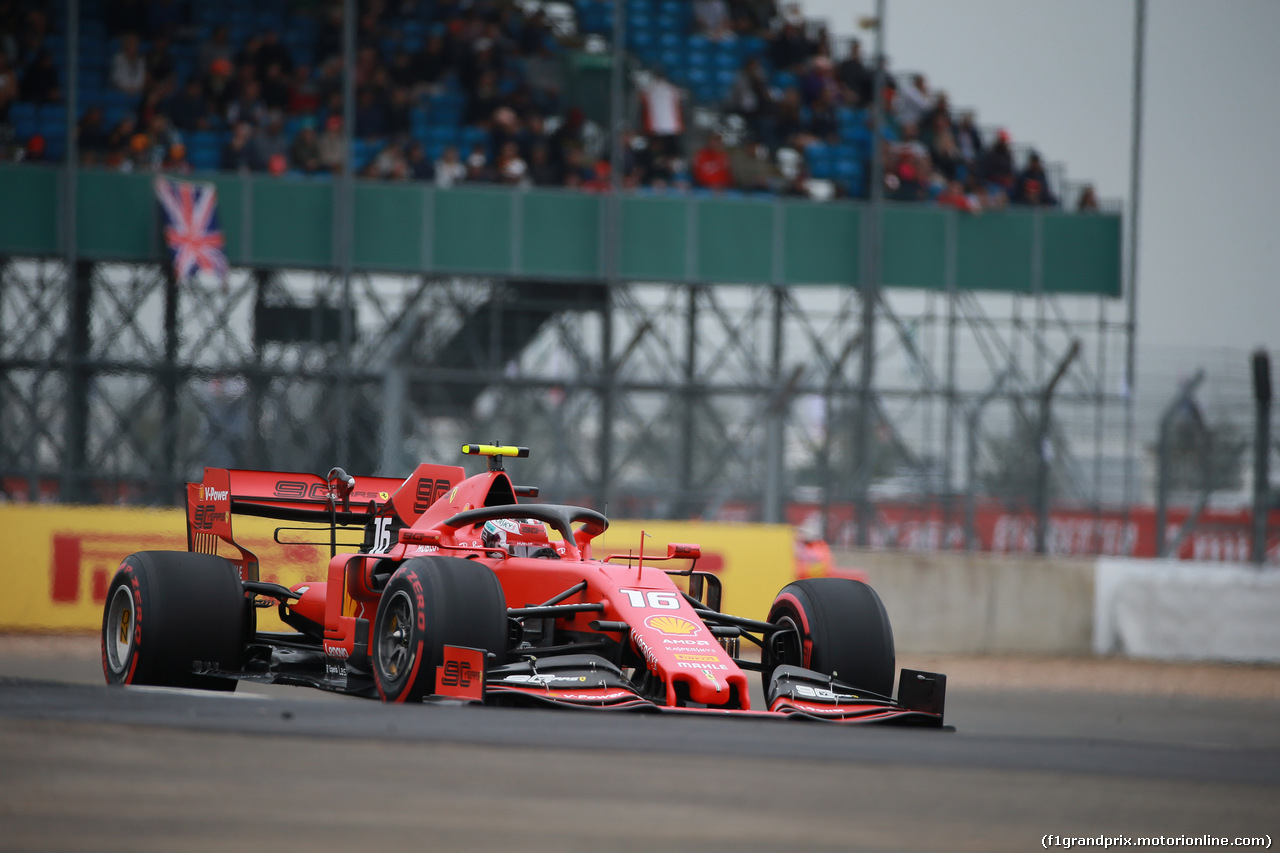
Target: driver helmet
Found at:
519, 537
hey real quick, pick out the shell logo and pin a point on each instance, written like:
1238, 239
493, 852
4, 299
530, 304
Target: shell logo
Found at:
672, 626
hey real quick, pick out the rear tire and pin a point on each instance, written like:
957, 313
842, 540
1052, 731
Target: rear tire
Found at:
430, 603
843, 630
167, 609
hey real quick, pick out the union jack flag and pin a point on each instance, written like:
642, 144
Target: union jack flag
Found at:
191, 227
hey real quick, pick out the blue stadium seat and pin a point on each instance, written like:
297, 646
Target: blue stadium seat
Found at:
204, 158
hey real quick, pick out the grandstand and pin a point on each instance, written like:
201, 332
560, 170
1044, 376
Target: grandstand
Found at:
434, 73
668, 316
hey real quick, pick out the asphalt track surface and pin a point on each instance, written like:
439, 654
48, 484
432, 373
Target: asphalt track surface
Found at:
85, 767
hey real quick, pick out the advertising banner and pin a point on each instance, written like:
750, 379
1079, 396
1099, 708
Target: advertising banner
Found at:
61, 559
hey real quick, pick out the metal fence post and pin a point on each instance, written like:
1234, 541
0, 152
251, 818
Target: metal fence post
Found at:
1043, 449
1162, 456
1261, 453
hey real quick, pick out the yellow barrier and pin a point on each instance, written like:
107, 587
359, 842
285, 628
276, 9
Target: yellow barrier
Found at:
61, 559
753, 561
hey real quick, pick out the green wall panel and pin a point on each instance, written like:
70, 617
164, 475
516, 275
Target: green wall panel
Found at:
29, 212
232, 190
292, 222
473, 230
117, 216
821, 243
915, 248
1081, 254
561, 235
282, 222
654, 238
735, 241
994, 251
388, 227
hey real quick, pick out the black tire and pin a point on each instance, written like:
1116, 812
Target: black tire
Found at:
444, 601
167, 609
843, 630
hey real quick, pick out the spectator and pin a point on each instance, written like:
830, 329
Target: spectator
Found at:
752, 99
397, 110
955, 196
789, 49
478, 171
942, 145
128, 68
968, 141
269, 141
752, 168
390, 164
8, 86
431, 63
1032, 193
793, 123
1088, 202
541, 172
40, 80
1032, 185
712, 19
823, 122
332, 150
304, 94
92, 136
711, 165
236, 156
276, 89
35, 149
371, 117
161, 67
663, 122
911, 102
449, 169
420, 168
304, 151
118, 142
857, 79
175, 160
248, 106
819, 79
575, 172
511, 168
996, 165
218, 47
272, 52
189, 109
218, 88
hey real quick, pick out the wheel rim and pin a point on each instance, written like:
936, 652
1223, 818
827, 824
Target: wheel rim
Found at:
121, 621
395, 654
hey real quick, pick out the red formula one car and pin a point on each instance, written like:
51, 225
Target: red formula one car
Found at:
461, 592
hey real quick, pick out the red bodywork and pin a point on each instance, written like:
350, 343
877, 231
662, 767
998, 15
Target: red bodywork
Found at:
408, 518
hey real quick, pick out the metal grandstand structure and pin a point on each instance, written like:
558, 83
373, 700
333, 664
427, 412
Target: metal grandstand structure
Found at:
675, 400
691, 397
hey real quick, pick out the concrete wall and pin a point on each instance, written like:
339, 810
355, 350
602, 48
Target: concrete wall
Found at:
982, 603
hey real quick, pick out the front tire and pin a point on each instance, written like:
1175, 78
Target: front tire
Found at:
842, 630
430, 603
167, 609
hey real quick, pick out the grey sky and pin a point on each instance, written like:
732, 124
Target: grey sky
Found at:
1058, 75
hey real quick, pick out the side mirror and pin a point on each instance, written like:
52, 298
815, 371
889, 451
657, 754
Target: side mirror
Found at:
409, 536
682, 551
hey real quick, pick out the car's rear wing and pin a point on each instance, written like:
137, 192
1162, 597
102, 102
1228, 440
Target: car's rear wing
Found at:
290, 496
